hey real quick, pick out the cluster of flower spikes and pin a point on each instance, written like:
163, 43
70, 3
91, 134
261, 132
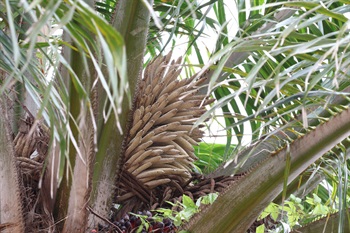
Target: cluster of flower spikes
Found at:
159, 153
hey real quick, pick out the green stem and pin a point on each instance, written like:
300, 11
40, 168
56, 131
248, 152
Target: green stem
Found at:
131, 17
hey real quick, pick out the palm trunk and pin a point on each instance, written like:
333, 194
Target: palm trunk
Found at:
11, 213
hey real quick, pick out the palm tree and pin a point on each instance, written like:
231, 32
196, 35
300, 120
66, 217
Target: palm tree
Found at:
69, 100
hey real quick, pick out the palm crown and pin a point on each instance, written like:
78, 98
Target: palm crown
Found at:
75, 98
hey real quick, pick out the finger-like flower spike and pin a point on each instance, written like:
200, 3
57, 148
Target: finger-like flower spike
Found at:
159, 145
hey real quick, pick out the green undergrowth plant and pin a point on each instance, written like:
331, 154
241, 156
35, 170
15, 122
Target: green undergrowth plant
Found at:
296, 212
179, 213
168, 219
184, 210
